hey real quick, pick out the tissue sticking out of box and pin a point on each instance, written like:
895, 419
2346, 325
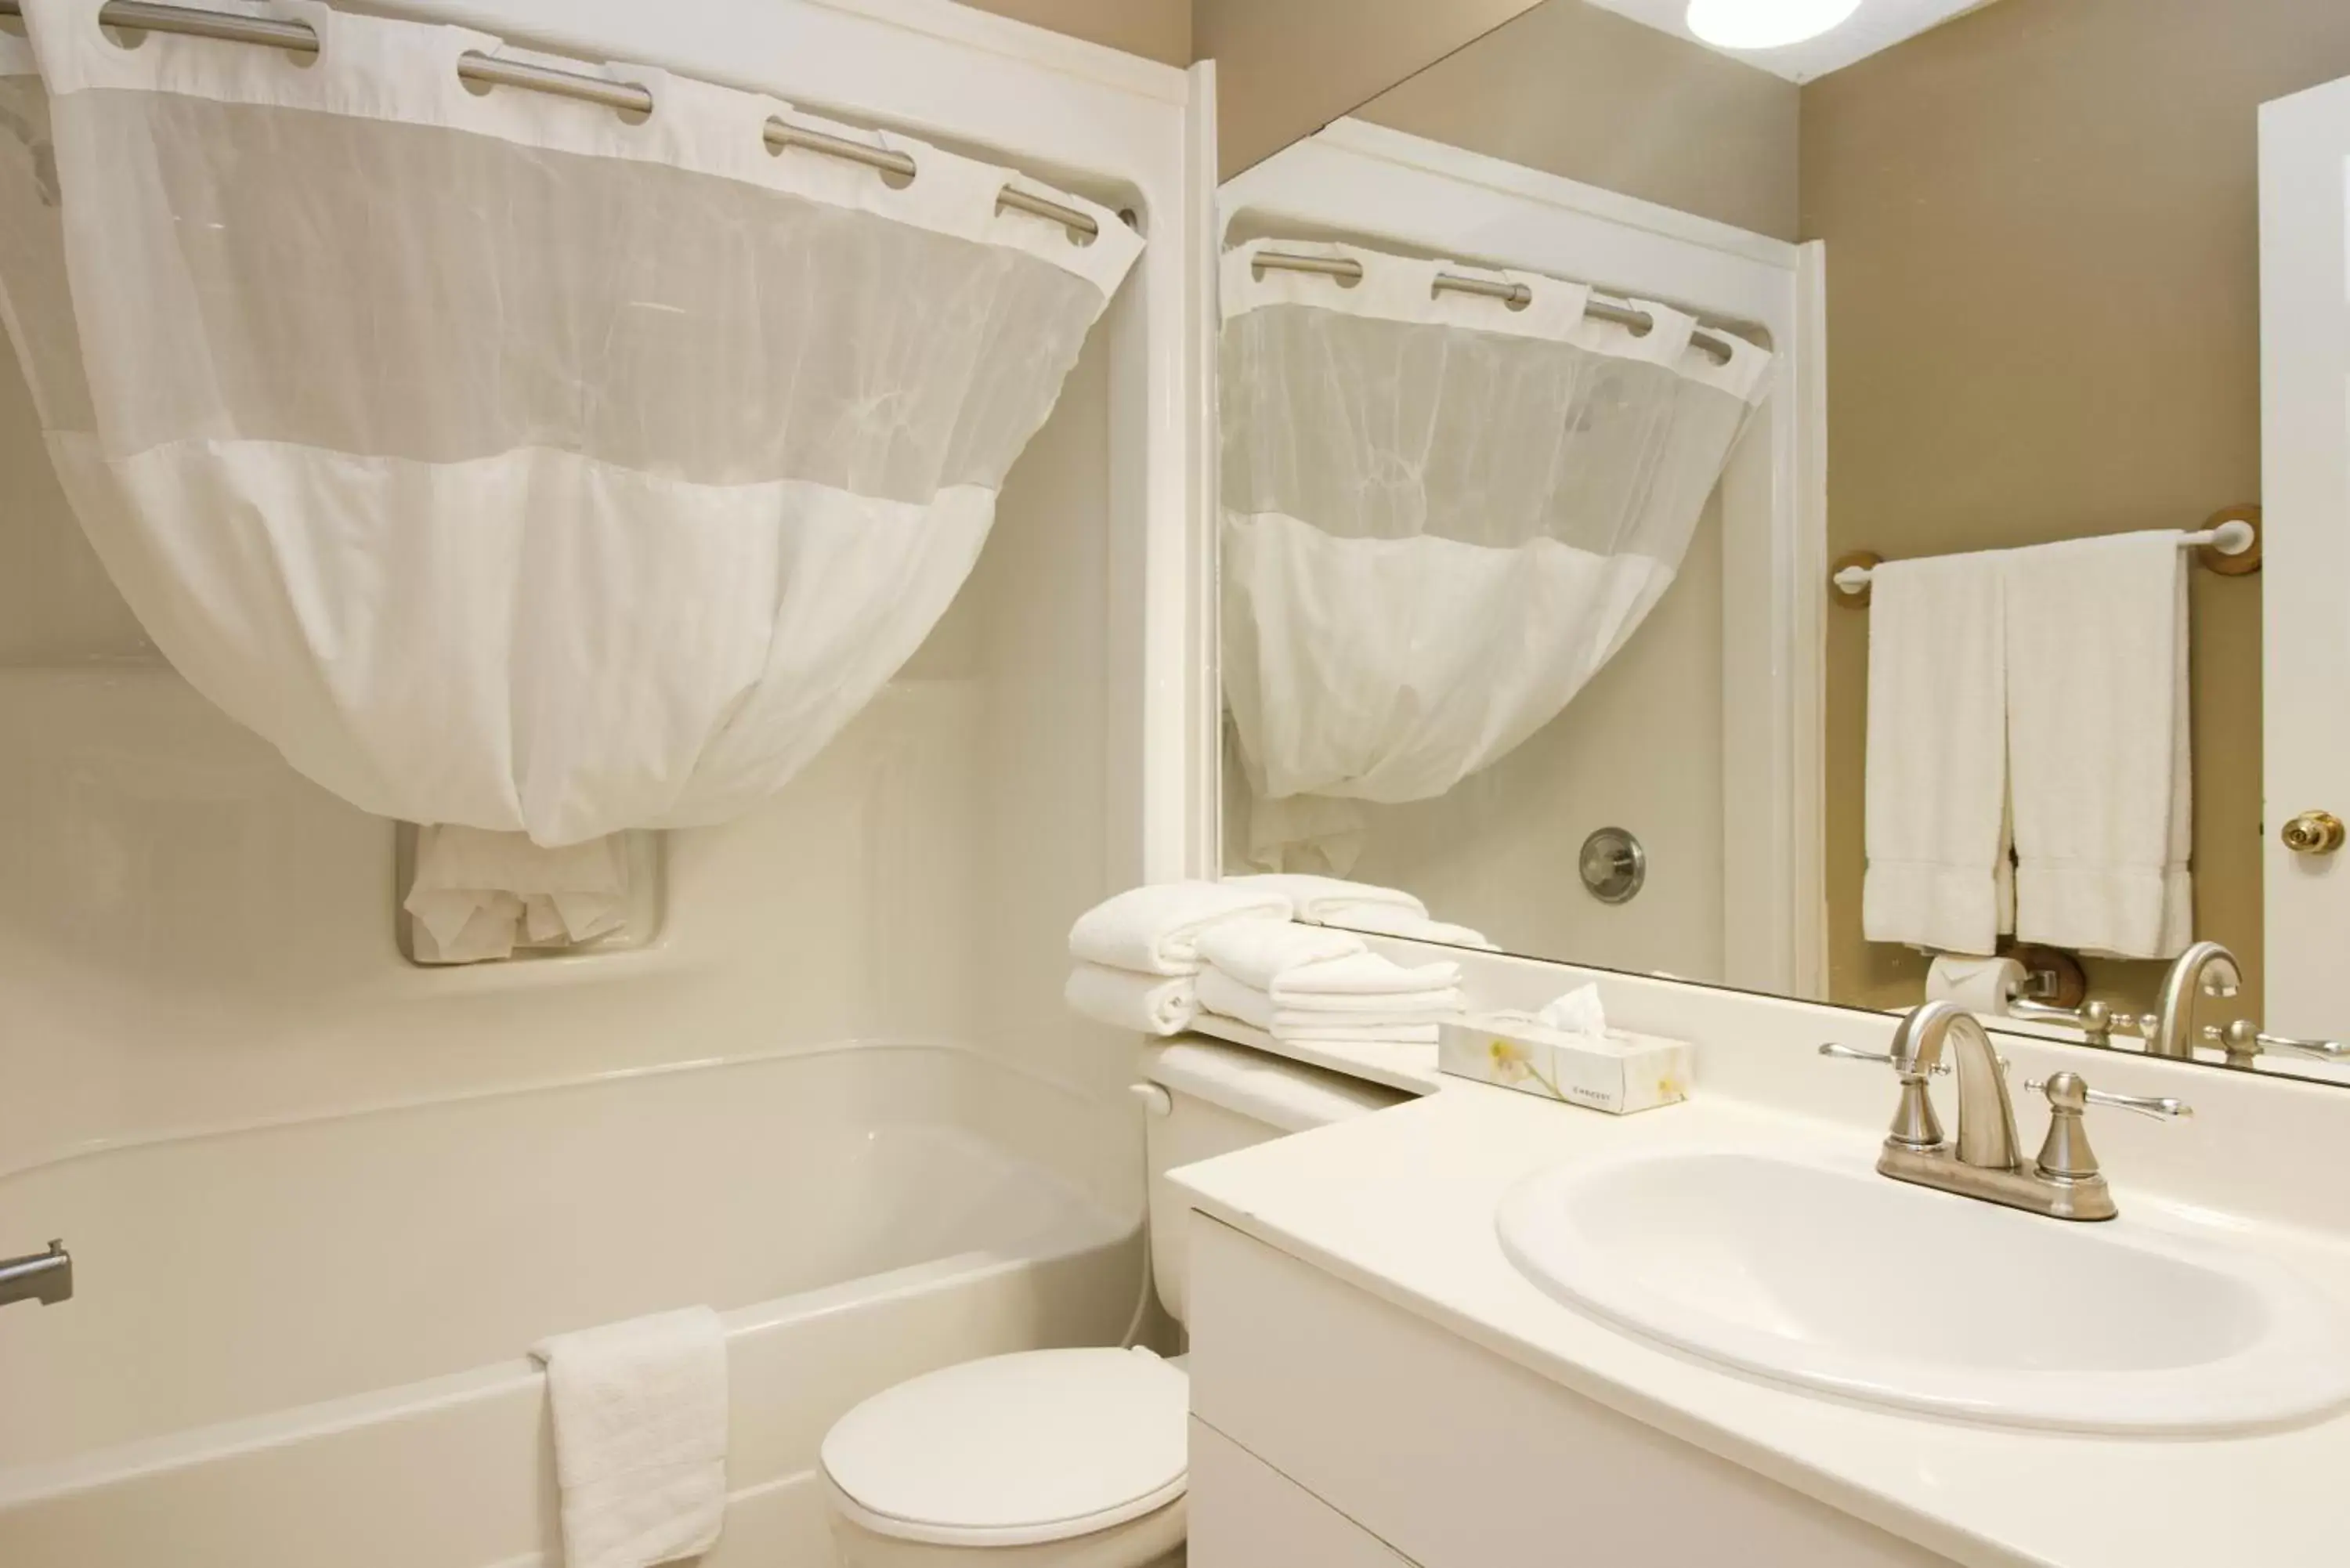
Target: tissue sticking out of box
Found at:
1614, 1072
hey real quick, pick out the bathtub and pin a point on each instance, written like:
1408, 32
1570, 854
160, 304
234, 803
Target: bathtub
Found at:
306, 1342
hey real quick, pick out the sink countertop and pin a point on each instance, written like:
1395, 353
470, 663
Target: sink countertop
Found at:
1402, 1204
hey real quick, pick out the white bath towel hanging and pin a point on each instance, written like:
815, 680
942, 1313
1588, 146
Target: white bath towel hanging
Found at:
1145, 1003
1937, 757
2100, 752
640, 1415
1156, 928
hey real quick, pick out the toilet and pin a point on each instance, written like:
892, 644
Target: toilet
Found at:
1069, 1458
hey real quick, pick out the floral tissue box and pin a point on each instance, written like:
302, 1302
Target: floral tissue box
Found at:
1618, 1072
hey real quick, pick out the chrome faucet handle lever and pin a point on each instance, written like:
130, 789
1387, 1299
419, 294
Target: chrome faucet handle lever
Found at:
2065, 1091
2243, 1039
1847, 1053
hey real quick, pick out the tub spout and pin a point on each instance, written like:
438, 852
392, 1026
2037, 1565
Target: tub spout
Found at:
43, 1277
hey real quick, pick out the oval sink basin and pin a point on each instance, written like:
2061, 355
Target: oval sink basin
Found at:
1835, 1278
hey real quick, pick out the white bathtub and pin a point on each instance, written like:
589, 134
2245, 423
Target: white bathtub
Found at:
305, 1344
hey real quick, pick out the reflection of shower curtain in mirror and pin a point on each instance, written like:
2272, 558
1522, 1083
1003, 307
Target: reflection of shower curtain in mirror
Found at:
1443, 515
506, 460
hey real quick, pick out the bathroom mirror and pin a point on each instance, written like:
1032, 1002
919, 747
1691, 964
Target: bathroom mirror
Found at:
1533, 606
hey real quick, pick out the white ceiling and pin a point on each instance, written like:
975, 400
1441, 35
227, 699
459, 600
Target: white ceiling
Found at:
1878, 25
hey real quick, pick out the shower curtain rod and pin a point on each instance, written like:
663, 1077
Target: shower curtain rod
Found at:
491, 71
1514, 294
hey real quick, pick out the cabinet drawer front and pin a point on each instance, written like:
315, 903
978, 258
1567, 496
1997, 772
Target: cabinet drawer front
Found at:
1246, 1514
1457, 1458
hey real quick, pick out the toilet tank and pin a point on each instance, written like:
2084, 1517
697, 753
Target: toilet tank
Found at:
1220, 1099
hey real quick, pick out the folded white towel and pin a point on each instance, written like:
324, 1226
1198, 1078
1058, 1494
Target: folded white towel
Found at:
639, 1437
1327, 901
1221, 993
1254, 952
1359, 983
1145, 1003
2098, 719
1362, 1035
1387, 921
480, 894
1408, 1018
1937, 755
1155, 930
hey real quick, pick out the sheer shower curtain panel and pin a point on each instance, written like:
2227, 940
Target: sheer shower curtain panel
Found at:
507, 462
1442, 513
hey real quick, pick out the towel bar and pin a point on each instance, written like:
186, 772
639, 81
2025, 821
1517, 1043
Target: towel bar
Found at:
2228, 543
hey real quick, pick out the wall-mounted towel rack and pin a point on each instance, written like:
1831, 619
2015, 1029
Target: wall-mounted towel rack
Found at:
2228, 543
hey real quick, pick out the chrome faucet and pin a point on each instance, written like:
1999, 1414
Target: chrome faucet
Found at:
44, 1277
1983, 1161
2206, 967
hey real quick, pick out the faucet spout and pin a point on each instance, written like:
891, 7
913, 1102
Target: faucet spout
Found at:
2206, 967
1986, 1115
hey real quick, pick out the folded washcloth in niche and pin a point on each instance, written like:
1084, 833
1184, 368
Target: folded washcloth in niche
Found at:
1156, 929
1145, 1003
480, 894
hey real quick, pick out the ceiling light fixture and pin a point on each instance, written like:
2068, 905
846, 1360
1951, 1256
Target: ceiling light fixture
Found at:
1765, 23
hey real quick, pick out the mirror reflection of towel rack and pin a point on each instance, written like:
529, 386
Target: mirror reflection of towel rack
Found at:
2228, 543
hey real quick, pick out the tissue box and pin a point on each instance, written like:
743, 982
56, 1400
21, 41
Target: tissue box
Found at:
1619, 1073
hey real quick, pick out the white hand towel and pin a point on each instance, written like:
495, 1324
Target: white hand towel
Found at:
1411, 1024
639, 1437
1984, 985
2097, 720
1254, 952
1145, 1003
1328, 900
1221, 994
1363, 981
1937, 755
479, 895
1156, 929
1386, 920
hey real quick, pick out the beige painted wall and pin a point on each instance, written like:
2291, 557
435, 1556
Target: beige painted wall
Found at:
1155, 29
2043, 320
1581, 92
1285, 68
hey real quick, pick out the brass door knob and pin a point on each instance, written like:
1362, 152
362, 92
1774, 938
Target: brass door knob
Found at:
2313, 832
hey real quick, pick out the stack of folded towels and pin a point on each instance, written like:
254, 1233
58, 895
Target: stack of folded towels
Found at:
1267, 952
1316, 985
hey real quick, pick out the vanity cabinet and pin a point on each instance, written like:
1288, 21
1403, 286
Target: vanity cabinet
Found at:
1331, 1427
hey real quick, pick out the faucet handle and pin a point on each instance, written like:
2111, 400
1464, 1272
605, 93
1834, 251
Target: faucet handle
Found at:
2243, 1039
1847, 1053
2067, 1092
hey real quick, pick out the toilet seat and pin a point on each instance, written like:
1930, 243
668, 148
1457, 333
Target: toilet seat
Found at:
1014, 1450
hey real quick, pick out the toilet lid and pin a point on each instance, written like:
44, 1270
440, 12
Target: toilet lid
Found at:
1040, 1445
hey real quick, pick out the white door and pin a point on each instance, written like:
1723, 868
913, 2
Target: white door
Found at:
2305, 574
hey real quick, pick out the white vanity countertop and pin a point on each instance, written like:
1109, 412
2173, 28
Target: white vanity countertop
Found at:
1402, 1204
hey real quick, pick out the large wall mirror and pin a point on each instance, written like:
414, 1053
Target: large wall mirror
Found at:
1811, 518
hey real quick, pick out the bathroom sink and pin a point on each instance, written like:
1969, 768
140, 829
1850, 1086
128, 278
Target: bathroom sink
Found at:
1831, 1277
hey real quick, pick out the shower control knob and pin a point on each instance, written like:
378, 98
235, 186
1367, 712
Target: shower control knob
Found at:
2313, 832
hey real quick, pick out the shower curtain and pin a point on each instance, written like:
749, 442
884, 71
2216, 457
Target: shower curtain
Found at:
510, 462
1442, 513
